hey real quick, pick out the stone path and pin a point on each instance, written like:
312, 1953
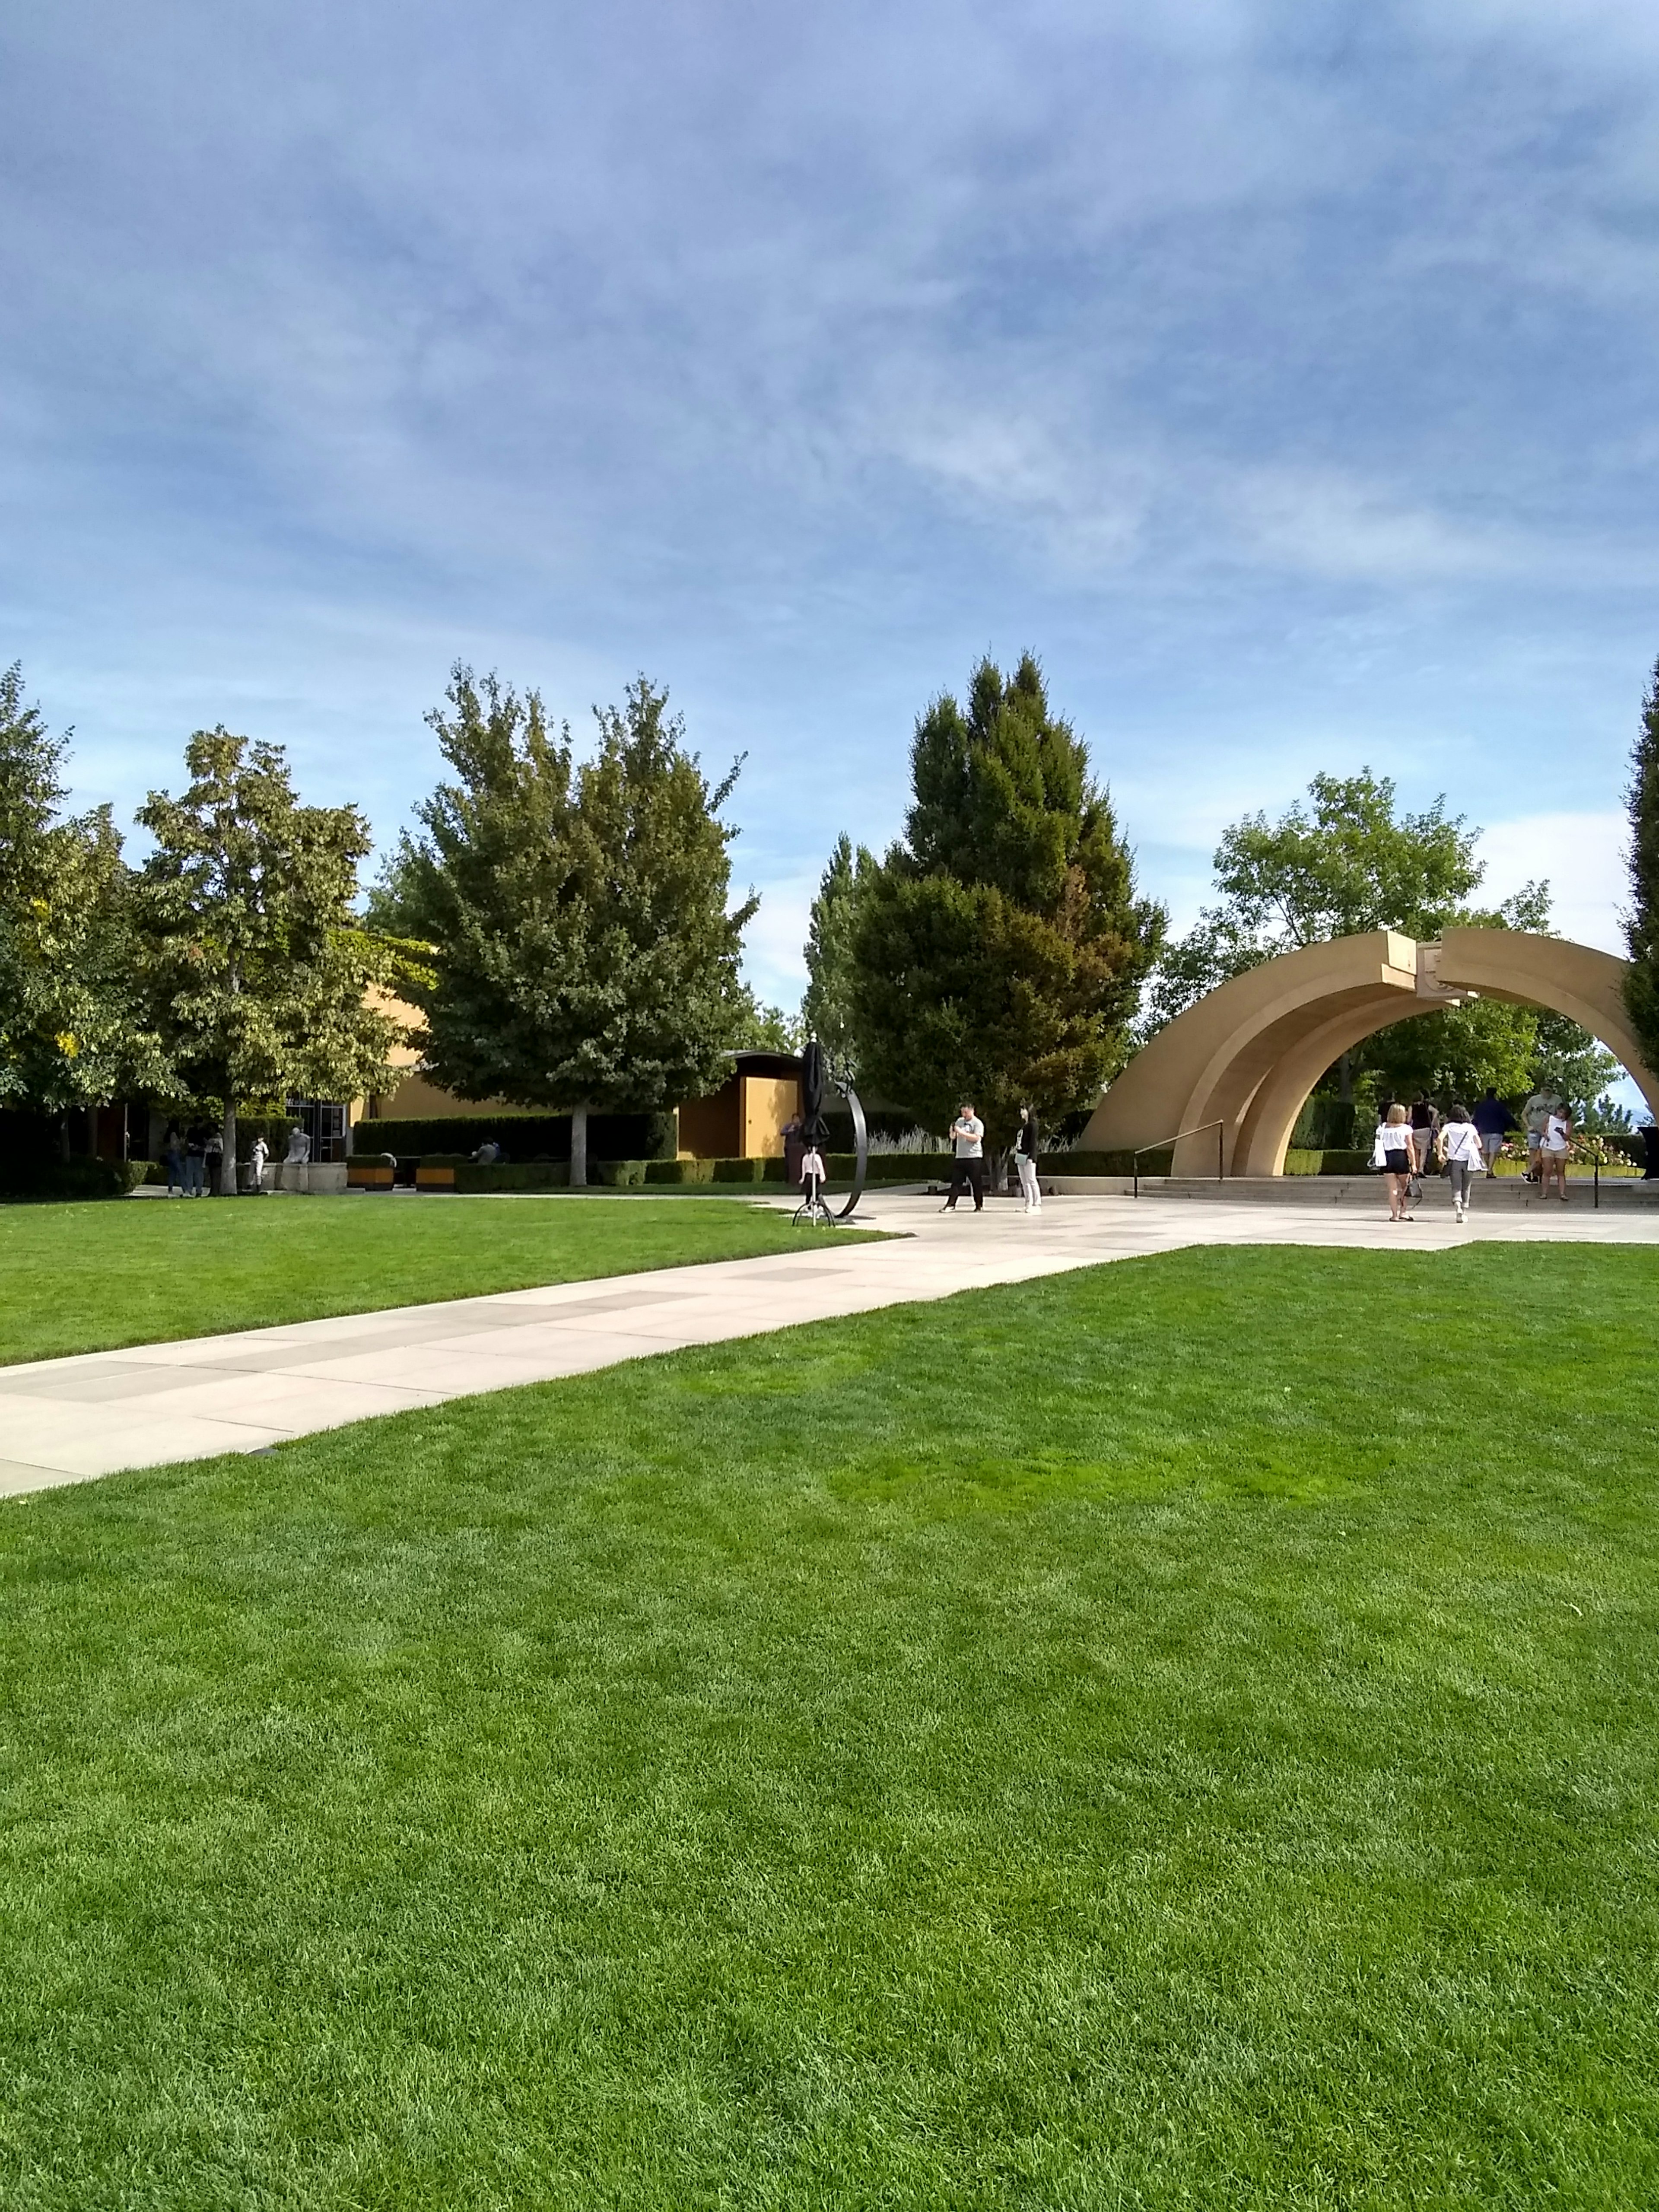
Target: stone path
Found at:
65, 1420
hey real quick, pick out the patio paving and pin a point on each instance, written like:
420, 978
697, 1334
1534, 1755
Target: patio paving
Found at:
69, 1420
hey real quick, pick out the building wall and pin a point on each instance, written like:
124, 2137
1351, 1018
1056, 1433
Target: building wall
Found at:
769, 1101
711, 1128
415, 1099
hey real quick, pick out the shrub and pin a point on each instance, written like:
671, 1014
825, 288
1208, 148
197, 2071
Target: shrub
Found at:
513, 1174
1104, 1163
525, 1137
737, 1170
618, 1175
70, 1179
679, 1171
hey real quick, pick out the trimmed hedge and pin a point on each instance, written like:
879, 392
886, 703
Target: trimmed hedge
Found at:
513, 1174
1104, 1163
618, 1175
527, 1138
78, 1178
680, 1172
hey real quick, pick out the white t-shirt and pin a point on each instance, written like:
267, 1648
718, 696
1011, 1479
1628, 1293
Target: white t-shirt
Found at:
1556, 1134
1462, 1142
969, 1136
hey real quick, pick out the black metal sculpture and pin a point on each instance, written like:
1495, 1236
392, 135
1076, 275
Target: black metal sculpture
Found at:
815, 1133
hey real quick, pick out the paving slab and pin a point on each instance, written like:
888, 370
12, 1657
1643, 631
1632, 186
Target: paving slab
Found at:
66, 1420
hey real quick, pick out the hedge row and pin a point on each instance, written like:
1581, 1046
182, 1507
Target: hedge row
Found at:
533, 1138
74, 1178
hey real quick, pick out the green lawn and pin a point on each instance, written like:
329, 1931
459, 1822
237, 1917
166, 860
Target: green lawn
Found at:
1182, 1735
89, 1278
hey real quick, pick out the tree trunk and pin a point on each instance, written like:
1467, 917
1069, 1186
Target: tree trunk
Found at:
228, 1165
579, 1147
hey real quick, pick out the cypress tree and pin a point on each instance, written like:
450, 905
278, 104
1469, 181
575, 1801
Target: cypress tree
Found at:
1642, 921
999, 948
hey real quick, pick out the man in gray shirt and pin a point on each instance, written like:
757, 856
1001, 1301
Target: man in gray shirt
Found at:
967, 1135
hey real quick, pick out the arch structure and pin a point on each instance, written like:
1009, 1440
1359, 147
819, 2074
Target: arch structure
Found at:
1248, 1055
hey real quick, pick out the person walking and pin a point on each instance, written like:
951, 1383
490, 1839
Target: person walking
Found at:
195, 1153
1494, 1121
172, 1151
1025, 1159
968, 1137
1425, 1120
1552, 1148
1461, 1153
213, 1161
1536, 1114
1393, 1154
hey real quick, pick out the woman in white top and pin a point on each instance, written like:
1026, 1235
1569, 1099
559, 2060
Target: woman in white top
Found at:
1461, 1153
1393, 1154
1557, 1135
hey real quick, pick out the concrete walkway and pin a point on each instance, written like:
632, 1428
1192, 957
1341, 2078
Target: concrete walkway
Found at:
65, 1420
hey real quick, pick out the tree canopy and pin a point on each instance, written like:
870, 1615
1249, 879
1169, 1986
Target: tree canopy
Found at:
583, 956
998, 949
826, 1009
1353, 863
1642, 918
72, 1029
257, 967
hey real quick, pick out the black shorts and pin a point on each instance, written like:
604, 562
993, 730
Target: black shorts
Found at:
1397, 1163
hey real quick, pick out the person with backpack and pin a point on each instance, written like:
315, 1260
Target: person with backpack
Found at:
1462, 1154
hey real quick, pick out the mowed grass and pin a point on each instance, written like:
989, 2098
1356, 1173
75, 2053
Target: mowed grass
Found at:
1179, 1735
90, 1278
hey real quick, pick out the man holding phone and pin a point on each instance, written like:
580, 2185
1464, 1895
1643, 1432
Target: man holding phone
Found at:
967, 1135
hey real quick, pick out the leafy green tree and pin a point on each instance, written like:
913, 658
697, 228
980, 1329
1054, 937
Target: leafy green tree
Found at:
583, 957
1642, 921
1353, 864
765, 1029
72, 1032
999, 949
1350, 865
260, 974
827, 1009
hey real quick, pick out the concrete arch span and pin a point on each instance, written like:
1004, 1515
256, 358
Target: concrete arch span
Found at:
1248, 1055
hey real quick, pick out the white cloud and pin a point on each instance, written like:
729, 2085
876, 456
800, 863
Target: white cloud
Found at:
772, 945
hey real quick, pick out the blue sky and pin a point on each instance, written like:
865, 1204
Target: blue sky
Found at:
1284, 375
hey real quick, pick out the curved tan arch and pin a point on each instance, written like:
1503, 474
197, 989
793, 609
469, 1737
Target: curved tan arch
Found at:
1248, 1055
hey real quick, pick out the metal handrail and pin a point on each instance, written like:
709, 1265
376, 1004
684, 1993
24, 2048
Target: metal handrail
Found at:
1220, 1128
